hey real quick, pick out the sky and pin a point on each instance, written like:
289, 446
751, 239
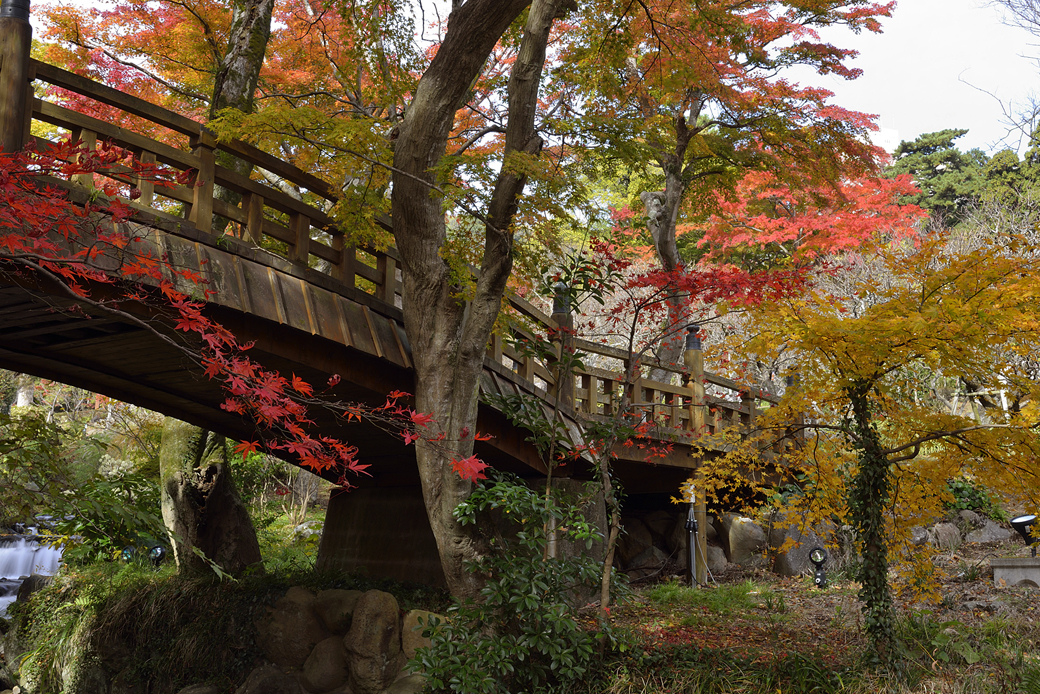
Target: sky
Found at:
931, 70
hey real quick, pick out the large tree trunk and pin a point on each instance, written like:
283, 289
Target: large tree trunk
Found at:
200, 505
662, 216
234, 85
448, 335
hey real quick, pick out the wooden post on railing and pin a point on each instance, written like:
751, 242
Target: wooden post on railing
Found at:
254, 204
15, 43
344, 270
144, 184
88, 140
300, 228
202, 146
387, 265
693, 359
748, 400
563, 389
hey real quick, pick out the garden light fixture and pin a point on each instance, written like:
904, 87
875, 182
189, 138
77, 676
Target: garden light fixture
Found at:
157, 554
1024, 526
818, 556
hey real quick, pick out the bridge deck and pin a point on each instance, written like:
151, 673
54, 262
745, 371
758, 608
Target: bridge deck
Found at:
346, 320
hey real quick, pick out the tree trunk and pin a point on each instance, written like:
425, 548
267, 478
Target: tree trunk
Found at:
662, 216
868, 498
200, 505
234, 85
448, 335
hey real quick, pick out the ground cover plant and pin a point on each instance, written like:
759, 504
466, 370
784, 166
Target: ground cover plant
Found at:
756, 632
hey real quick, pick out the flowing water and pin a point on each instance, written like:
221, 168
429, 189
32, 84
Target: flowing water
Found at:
20, 556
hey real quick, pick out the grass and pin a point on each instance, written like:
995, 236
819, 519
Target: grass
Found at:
770, 636
694, 606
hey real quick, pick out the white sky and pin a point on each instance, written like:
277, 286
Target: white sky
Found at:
925, 73
920, 73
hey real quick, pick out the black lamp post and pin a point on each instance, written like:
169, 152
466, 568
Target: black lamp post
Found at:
818, 556
1024, 526
691, 541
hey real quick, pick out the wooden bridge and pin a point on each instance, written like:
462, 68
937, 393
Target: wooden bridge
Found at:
283, 276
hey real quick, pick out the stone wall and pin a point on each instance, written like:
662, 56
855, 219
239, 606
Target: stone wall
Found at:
332, 642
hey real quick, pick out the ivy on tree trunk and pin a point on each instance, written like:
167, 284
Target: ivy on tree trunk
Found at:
869, 496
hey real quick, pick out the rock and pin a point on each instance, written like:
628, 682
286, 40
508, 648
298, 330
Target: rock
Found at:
969, 519
744, 539
409, 684
676, 538
268, 679
32, 584
127, 682
794, 560
651, 558
200, 689
411, 631
716, 559
634, 540
305, 531
990, 532
336, 608
945, 536
374, 643
326, 666
291, 630
918, 536
659, 522
84, 678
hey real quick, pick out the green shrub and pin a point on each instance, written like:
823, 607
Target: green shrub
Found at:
522, 636
968, 495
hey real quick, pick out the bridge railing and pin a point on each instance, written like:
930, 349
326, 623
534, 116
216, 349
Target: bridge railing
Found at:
596, 391
302, 229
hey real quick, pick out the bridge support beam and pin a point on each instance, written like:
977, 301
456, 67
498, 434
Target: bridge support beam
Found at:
15, 45
380, 531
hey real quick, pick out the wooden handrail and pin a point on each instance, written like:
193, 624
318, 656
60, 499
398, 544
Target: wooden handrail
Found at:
268, 216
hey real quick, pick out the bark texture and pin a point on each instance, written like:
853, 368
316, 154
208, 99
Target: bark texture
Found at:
234, 85
449, 336
200, 505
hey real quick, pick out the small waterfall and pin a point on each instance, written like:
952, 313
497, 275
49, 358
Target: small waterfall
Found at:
20, 556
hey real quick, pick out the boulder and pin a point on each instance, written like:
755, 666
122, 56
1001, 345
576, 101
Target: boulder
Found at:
716, 559
336, 608
659, 522
374, 643
651, 558
326, 666
969, 520
30, 585
291, 630
791, 544
744, 539
989, 532
945, 536
676, 538
268, 679
411, 631
128, 682
634, 540
305, 531
409, 684
918, 535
